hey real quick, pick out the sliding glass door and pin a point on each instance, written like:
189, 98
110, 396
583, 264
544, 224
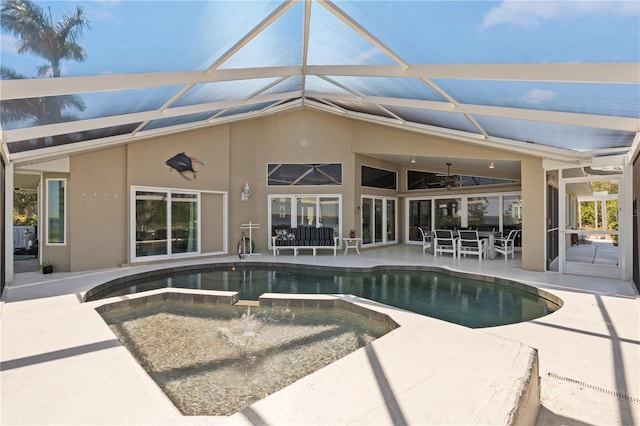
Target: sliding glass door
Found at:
166, 223
591, 227
499, 212
292, 211
419, 216
379, 220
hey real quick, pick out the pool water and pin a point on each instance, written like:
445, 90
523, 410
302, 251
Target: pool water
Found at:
469, 302
216, 360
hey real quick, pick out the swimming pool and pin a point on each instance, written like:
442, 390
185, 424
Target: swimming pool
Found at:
213, 359
474, 302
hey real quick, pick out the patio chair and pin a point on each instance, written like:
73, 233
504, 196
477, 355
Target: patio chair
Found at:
426, 239
444, 242
469, 242
506, 245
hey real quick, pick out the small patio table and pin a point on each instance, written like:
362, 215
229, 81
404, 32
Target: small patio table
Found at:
351, 243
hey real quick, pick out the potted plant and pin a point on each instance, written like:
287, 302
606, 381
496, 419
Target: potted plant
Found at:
46, 267
352, 233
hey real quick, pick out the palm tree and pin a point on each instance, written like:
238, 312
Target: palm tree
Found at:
38, 111
40, 36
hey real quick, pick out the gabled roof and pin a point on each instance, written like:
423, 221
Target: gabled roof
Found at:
556, 79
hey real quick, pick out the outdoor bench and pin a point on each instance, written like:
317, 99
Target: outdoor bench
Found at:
304, 237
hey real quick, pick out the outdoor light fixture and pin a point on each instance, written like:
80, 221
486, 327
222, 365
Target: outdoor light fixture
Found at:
492, 166
413, 160
244, 196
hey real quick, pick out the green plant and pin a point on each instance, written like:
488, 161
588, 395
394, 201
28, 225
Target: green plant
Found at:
44, 264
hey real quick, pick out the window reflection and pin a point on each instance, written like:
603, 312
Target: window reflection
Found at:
483, 213
448, 213
156, 234
56, 211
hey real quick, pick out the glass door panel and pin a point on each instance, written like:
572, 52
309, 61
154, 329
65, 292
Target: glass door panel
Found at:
151, 223
419, 216
448, 213
330, 214
378, 221
483, 213
591, 227
367, 220
184, 223
306, 211
280, 214
391, 220
512, 216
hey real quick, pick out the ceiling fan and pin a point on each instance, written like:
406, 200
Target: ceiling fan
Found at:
450, 181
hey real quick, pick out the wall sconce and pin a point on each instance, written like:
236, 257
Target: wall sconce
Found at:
244, 195
492, 166
413, 160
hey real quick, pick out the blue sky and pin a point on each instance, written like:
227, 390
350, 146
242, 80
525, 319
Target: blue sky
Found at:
157, 36
147, 36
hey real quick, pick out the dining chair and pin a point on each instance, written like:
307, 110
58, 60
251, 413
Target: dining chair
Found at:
506, 246
469, 242
444, 242
426, 239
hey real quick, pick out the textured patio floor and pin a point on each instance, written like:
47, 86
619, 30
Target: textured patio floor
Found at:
55, 363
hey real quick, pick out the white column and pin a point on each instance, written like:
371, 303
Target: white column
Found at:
8, 222
579, 215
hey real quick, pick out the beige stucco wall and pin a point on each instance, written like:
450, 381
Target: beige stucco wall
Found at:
97, 203
299, 137
239, 152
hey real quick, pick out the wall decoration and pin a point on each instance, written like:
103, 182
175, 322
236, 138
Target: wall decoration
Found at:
184, 165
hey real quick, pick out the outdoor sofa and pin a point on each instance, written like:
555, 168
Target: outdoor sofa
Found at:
304, 237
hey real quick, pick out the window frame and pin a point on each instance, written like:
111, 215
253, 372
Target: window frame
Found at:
293, 215
304, 185
169, 191
464, 219
48, 211
395, 173
385, 219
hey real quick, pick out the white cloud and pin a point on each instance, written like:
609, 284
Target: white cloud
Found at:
363, 57
8, 44
532, 13
538, 96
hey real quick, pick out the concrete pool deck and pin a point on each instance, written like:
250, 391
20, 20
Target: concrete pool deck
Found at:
62, 365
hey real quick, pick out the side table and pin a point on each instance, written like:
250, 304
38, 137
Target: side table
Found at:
351, 243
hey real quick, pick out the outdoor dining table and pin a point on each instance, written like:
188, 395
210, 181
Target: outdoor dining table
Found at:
490, 239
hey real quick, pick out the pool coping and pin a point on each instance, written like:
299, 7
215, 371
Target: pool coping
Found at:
515, 383
588, 350
246, 264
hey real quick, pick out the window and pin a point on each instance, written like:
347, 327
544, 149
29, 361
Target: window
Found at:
56, 209
166, 223
292, 211
501, 212
304, 174
448, 213
427, 180
379, 178
483, 213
